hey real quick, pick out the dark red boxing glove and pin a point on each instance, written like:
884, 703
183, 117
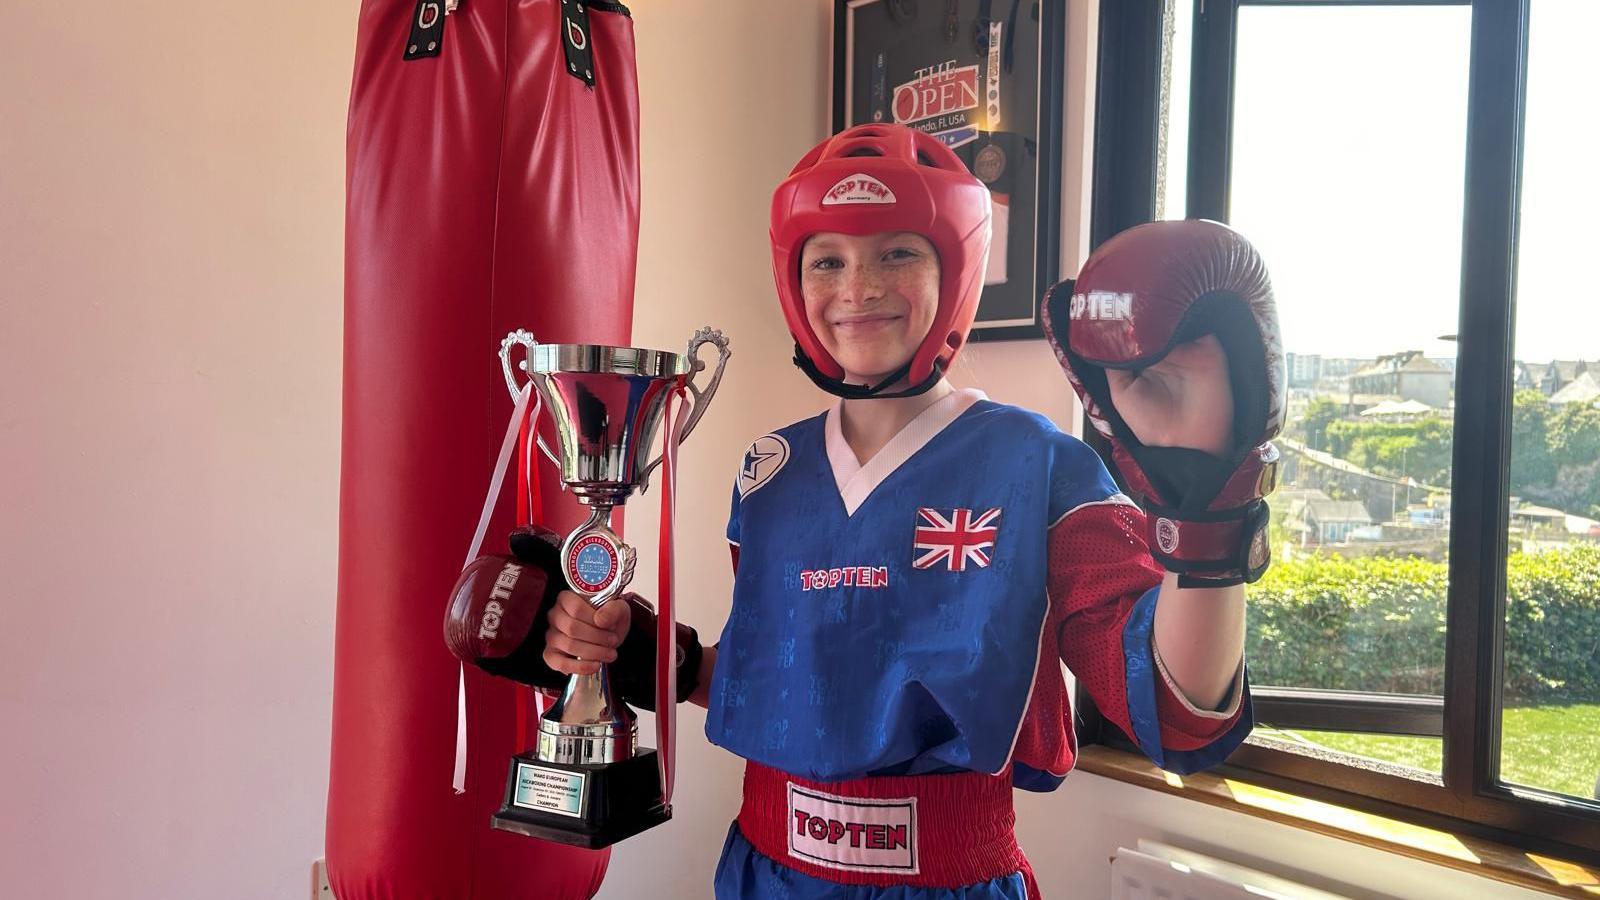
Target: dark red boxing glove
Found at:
499, 613
1142, 293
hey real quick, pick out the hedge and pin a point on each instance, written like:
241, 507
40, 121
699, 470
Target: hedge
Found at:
1377, 624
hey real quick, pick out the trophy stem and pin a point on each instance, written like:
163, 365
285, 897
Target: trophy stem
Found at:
599, 512
590, 723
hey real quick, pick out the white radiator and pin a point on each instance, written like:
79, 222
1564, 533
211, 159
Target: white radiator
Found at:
1156, 871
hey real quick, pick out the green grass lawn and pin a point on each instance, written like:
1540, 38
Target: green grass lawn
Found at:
1552, 747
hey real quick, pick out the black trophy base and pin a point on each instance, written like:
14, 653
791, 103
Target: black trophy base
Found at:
590, 806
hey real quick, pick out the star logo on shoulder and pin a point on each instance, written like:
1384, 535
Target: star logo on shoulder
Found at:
762, 460
753, 459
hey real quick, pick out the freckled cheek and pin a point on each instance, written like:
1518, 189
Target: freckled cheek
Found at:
816, 315
922, 295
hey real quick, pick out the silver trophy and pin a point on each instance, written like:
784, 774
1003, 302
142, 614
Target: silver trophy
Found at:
587, 782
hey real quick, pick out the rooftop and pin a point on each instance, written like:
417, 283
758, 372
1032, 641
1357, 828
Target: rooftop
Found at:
1583, 389
1338, 511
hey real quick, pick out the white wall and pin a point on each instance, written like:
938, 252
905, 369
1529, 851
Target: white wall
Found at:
171, 206
170, 283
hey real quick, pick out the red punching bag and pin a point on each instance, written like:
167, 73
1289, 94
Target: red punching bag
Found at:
492, 184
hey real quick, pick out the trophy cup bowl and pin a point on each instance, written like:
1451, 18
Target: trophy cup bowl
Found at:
587, 782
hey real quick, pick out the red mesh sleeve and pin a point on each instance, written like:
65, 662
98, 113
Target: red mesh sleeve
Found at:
1183, 729
1100, 566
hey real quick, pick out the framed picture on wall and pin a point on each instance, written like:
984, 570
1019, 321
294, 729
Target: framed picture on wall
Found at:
984, 76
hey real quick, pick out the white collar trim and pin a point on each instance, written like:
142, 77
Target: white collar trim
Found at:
855, 481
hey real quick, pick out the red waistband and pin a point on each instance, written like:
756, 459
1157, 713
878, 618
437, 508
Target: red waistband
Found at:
924, 830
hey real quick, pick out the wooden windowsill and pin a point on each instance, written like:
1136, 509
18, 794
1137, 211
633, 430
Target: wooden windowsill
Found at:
1468, 854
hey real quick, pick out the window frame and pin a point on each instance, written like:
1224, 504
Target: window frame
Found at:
1469, 797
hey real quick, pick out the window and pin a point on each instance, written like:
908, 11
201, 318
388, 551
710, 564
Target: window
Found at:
1427, 643
1348, 177
1550, 723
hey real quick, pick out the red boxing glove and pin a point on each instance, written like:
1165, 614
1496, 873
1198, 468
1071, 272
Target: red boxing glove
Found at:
1142, 293
500, 609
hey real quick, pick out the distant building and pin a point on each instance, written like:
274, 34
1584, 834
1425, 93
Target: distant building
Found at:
1435, 510
1408, 375
1305, 369
1583, 389
1561, 373
1551, 377
1338, 367
1535, 519
1332, 521
1422, 515
1526, 376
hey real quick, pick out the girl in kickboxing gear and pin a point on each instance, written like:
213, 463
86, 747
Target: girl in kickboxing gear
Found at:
913, 565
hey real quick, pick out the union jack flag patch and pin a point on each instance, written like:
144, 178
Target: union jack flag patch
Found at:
955, 537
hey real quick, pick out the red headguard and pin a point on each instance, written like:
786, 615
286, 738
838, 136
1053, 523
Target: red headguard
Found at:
870, 179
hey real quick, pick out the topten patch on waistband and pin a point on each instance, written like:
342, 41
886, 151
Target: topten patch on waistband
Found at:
856, 834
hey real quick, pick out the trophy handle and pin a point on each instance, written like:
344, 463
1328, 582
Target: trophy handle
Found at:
528, 342
699, 398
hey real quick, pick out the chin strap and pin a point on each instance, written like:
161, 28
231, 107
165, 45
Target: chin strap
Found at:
841, 388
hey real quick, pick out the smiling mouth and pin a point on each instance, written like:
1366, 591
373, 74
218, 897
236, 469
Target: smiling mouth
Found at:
865, 321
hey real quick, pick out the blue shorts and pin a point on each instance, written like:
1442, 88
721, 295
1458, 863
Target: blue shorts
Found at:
744, 874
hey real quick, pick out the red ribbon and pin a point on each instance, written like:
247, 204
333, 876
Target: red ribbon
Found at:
530, 509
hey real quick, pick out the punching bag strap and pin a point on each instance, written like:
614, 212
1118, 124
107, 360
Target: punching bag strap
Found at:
427, 28
575, 41
519, 415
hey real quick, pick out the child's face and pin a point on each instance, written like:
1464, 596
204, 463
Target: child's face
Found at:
870, 299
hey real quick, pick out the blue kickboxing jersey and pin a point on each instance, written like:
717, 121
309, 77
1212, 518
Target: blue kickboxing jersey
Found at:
887, 618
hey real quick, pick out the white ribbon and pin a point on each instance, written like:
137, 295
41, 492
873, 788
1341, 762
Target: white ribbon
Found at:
458, 779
